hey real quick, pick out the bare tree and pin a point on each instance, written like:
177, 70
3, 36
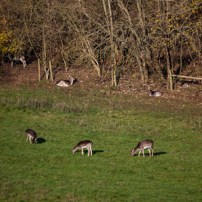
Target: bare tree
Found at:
144, 37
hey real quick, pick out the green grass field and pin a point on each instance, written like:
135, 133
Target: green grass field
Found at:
115, 123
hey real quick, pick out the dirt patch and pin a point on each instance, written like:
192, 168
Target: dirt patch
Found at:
88, 79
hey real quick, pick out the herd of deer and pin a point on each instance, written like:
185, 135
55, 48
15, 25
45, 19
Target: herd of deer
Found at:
67, 83
141, 146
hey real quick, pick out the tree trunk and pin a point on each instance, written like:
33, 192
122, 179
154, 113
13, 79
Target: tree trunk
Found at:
45, 56
168, 59
113, 58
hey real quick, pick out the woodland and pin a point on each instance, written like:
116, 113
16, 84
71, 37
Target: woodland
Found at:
117, 51
151, 38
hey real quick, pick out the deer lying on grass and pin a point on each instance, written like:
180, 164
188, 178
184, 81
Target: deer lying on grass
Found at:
154, 93
16, 59
146, 144
84, 144
31, 135
187, 84
65, 83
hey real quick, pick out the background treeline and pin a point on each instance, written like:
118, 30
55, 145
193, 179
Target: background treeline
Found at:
148, 37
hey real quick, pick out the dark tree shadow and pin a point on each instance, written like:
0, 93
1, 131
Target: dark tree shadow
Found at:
40, 140
56, 70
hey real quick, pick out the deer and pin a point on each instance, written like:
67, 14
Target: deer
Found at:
184, 85
141, 146
65, 83
15, 59
155, 93
84, 144
187, 84
31, 135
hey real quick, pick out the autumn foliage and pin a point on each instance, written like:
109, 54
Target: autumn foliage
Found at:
146, 37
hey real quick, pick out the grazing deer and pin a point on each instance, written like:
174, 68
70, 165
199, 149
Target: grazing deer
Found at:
84, 144
65, 83
16, 59
31, 135
146, 144
154, 93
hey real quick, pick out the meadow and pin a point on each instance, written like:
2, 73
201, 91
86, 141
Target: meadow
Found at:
115, 123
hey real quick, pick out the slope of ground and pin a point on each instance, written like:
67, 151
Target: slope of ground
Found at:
87, 79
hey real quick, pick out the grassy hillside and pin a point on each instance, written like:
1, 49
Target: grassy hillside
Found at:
48, 171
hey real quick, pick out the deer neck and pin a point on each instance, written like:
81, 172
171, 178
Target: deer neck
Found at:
133, 152
75, 148
71, 80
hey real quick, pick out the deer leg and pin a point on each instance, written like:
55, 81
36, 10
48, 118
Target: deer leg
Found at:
139, 153
24, 64
30, 139
82, 151
143, 152
152, 152
149, 153
90, 150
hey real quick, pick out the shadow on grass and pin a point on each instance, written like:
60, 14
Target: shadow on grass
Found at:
159, 153
155, 154
96, 151
40, 140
